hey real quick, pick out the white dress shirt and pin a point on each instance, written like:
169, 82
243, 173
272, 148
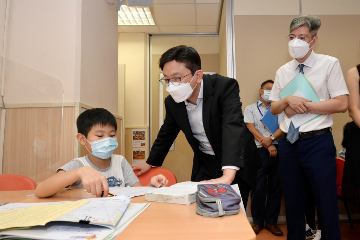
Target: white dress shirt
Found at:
253, 113
197, 126
326, 78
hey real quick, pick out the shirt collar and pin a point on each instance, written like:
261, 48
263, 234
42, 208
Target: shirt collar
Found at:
309, 62
200, 96
259, 103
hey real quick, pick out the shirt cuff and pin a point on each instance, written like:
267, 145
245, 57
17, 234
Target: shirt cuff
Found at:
230, 167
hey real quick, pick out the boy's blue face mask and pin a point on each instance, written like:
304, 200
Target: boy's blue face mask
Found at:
103, 148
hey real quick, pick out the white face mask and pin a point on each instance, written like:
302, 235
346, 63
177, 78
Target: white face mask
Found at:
298, 48
180, 92
266, 95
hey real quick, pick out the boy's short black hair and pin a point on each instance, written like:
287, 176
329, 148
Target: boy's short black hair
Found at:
92, 117
182, 54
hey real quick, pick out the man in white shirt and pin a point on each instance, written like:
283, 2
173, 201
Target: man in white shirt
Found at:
266, 198
207, 109
307, 154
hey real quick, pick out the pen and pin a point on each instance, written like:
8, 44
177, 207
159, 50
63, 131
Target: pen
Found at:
110, 194
162, 182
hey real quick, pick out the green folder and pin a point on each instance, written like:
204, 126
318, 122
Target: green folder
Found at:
300, 83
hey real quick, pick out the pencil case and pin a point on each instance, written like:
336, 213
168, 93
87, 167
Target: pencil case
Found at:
215, 200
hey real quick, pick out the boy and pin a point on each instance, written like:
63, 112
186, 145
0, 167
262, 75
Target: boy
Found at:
99, 169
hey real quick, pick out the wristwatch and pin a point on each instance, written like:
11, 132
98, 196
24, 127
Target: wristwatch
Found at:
272, 137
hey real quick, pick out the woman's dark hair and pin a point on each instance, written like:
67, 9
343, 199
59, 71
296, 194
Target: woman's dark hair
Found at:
92, 117
183, 54
347, 131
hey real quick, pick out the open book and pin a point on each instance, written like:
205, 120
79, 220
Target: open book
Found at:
96, 211
71, 231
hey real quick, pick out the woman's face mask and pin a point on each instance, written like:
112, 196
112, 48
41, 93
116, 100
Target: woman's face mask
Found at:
182, 91
103, 148
298, 48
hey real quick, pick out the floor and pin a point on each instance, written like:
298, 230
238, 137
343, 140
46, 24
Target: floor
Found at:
346, 232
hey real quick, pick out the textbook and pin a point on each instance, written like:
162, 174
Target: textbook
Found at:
179, 193
300, 87
71, 231
270, 121
171, 194
105, 212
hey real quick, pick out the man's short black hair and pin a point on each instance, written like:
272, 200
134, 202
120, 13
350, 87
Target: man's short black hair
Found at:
183, 54
266, 82
92, 117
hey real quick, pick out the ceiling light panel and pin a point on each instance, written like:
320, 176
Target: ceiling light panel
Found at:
135, 16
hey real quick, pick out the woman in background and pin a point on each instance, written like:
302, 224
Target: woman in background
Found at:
351, 178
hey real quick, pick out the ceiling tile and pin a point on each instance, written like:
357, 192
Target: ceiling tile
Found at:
178, 29
175, 14
206, 29
208, 1
137, 29
174, 1
207, 14
119, 29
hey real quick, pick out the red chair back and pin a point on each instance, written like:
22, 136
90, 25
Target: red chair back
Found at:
339, 177
145, 177
11, 182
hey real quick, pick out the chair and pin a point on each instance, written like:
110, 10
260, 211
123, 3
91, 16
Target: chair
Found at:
11, 182
339, 177
145, 177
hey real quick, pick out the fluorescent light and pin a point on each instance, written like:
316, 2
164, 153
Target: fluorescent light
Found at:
135, 16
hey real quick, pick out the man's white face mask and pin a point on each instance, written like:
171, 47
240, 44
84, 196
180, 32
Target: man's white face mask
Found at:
182, 91
266, 95
298, 48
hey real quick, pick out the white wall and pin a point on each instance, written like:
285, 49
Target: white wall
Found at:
99, 55
42, 37
133, 52
71, 42
2, 22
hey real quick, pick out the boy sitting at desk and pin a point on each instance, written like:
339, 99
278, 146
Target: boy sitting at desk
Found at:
99, 169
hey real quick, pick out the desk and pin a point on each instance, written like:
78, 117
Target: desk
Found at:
160, 221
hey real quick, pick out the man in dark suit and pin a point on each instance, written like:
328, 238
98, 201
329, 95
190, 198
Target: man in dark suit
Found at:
207, 109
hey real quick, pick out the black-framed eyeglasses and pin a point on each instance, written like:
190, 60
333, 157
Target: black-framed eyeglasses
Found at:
175, 81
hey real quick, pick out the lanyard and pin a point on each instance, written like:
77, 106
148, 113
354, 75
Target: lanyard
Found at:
257, 105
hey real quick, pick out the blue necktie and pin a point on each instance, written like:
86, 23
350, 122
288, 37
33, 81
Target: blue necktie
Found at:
293, 133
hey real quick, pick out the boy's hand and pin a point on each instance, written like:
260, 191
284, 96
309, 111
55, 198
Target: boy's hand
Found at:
93, 181
157, 180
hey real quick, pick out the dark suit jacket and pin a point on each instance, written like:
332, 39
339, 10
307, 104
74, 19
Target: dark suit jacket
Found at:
224, 126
